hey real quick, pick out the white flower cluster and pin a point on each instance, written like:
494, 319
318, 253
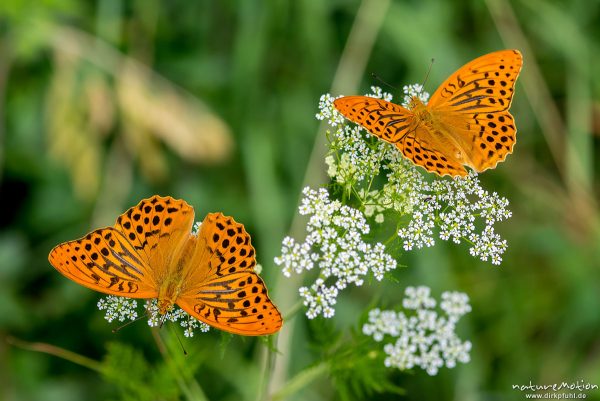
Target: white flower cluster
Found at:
424, 339
457, 209
377, 93
196, 227
119, 308
335, 245
327, 112
176, 314
356, 157
453, 207
415, 90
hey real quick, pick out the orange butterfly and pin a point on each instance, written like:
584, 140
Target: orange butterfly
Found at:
151, 253
466, 122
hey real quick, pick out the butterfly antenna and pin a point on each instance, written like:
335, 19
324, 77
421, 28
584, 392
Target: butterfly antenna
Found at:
163, 319
428, 71
128, 323
378, 78
180, 342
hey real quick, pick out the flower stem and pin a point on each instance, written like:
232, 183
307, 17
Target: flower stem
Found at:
351, 67
57, 351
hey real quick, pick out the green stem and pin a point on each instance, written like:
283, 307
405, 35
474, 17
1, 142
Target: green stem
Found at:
293, 311
301, 380
189, 386
57, 351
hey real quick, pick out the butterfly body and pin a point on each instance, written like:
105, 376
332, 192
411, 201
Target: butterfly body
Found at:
168, 293
151, 253
466, 121
420, 111
172, 285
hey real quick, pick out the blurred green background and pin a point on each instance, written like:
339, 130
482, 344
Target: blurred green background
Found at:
103, 103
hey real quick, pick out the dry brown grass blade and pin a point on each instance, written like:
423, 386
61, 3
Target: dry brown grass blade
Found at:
71, 140
188, 127
96, 89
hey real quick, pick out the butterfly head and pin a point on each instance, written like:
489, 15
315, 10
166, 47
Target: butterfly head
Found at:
416, 103
165, 306
421, 112
167, 295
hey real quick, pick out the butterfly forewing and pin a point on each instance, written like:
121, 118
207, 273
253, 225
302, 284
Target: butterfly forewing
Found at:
157, 228
228, 294
105, 261
483, 85
473, 104
383, 119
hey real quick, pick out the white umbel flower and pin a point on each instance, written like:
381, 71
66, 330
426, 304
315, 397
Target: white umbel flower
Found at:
336, 246
176, 314
421, 336
118, 308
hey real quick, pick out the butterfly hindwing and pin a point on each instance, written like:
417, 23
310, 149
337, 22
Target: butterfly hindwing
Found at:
422, 149
226, 292
237, 303
105, 261
493, 136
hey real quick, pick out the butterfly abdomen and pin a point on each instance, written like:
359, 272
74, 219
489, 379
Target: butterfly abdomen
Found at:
167, 294
172, 284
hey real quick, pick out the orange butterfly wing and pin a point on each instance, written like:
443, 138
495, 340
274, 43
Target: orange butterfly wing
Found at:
386, 120
399, 126
130, 258
105, 261
423, 149
473, 105
223, 290
158, 227
466, 122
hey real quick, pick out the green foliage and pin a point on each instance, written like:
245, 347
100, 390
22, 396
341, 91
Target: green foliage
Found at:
135, 378
356, 368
